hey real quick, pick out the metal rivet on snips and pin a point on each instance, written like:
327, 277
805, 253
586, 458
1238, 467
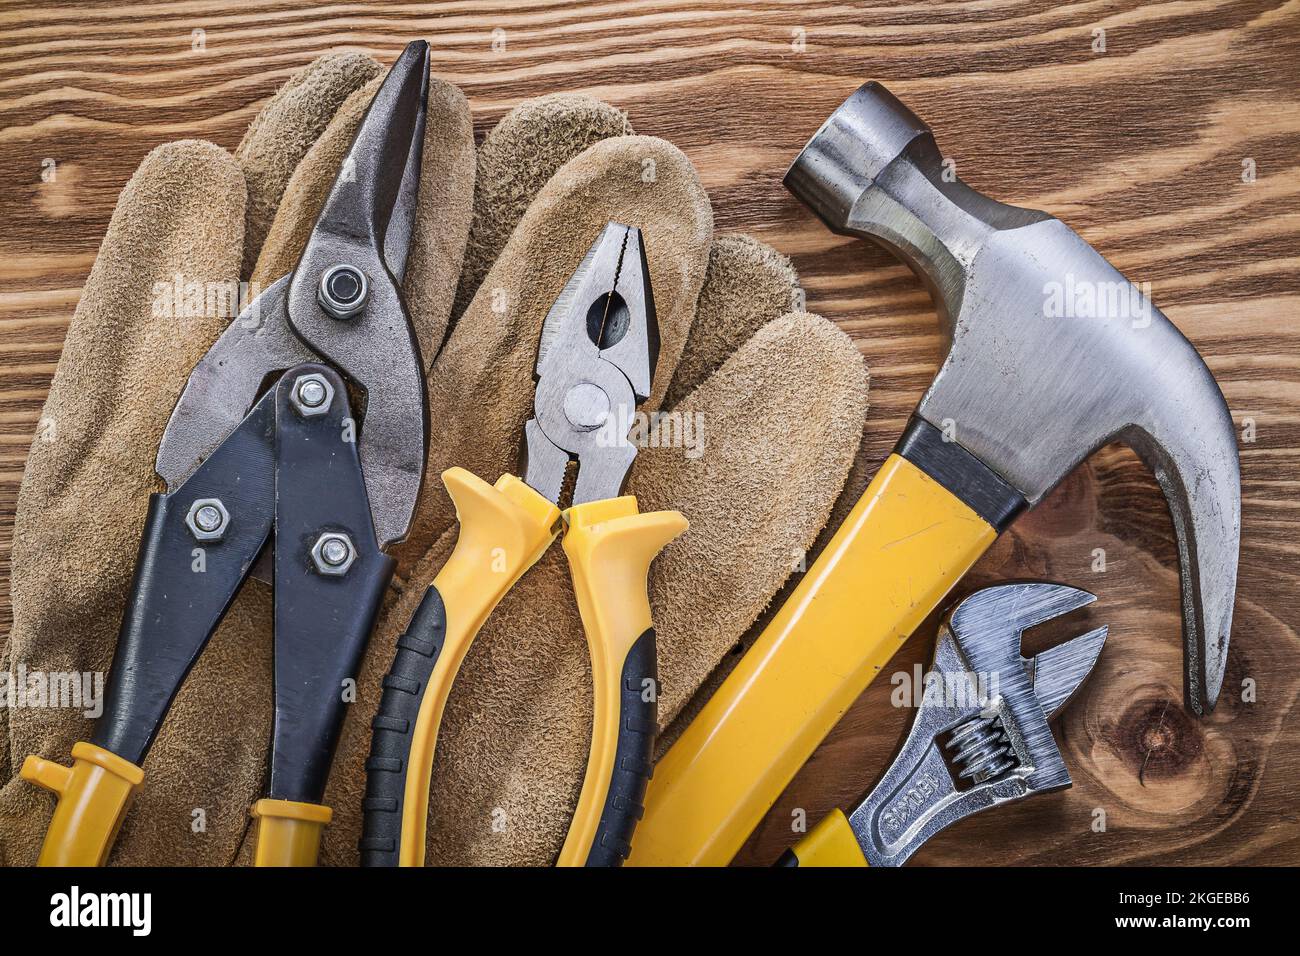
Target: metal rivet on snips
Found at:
343, 291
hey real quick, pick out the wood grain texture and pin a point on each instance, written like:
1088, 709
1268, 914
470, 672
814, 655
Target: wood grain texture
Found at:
1139, 148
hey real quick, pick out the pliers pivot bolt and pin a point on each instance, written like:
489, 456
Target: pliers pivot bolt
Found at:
312, 395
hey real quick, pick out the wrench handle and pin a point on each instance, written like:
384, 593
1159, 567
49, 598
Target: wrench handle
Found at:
830, 843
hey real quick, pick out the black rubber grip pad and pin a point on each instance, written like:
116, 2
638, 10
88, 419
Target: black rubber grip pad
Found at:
393, 729
633, 755
786, 859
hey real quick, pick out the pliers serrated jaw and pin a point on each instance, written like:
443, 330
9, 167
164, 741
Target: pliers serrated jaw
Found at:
595, 365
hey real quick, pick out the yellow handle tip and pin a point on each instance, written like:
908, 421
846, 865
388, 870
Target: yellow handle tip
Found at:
617, 521
471, 493
288, 832
93, 797
831, 842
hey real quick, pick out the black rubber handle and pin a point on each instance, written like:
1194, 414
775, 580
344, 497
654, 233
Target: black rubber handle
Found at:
393, 730
633, 755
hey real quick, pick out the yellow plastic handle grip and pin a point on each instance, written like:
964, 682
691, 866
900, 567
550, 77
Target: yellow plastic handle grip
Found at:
288, 832
610, 546
93, 793
904, 545
830, 843
504, 529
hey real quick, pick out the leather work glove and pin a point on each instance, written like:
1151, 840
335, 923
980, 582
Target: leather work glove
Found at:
781, 398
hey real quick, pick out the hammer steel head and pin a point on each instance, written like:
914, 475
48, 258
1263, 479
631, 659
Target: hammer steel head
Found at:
1052, 353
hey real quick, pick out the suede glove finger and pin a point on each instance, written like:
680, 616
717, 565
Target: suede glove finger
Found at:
285, 129
518, 157
90, 471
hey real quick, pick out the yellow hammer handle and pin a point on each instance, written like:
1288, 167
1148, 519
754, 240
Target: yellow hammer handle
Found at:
610, 546
504, 529
93, 796
830, 843
906, 542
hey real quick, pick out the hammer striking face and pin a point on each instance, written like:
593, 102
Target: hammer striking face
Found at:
1052, 354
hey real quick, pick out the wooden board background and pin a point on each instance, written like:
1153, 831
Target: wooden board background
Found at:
1140, 148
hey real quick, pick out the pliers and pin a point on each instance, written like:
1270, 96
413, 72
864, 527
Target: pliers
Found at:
288, 473
596, 359
981, 736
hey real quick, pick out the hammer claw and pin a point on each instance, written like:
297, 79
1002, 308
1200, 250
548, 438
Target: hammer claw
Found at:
1195, 462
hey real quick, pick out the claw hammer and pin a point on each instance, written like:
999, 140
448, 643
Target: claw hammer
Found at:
1052, 354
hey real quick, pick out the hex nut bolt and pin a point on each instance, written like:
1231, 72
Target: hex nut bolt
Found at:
207, 519
312, 395
343, 291
333, 553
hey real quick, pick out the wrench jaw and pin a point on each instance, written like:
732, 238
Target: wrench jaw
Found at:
980, 737
988, 627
